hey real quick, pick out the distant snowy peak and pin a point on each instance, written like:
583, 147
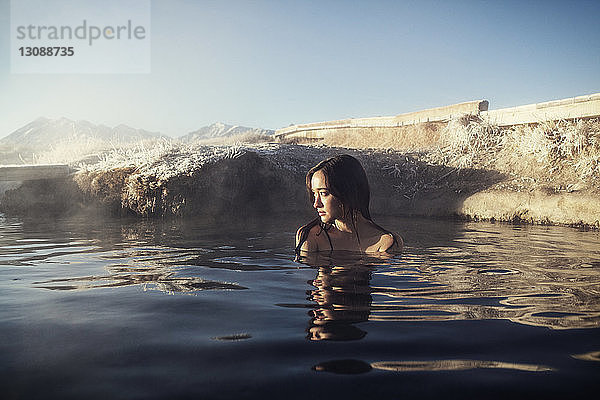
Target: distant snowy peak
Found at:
219, 129
44, 132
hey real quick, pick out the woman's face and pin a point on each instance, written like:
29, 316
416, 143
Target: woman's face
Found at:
327, 205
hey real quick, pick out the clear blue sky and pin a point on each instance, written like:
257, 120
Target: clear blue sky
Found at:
271, 63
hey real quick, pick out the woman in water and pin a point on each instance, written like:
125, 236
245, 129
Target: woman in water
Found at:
339, 190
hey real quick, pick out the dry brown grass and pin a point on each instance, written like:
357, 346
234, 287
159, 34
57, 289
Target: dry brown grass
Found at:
242, 138
410, 138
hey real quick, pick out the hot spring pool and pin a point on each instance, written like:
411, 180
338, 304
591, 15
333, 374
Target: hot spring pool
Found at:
145, 309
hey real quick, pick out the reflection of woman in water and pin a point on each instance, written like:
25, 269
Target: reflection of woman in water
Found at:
343, 298
339, 190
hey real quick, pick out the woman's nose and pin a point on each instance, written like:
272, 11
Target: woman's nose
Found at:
317, 203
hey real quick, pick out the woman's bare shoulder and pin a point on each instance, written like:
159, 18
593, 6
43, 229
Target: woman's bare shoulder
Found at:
390, 242
314, 230
311, 243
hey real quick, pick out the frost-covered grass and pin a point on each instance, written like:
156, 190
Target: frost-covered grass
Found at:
561, 146
559, 150
121, 153
163, 159
559, 153
69, 152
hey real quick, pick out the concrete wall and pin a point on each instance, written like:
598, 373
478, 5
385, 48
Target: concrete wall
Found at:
571, 108
33, 172
574, 107
317, 130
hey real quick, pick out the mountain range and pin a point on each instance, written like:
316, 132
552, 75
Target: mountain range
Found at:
44, 133
219, 129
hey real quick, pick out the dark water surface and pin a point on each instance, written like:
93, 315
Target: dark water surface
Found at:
182, 309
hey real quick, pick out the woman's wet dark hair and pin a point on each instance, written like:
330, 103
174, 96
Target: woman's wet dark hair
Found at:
347, 181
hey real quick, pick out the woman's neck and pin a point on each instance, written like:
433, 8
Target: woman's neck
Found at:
347, 225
